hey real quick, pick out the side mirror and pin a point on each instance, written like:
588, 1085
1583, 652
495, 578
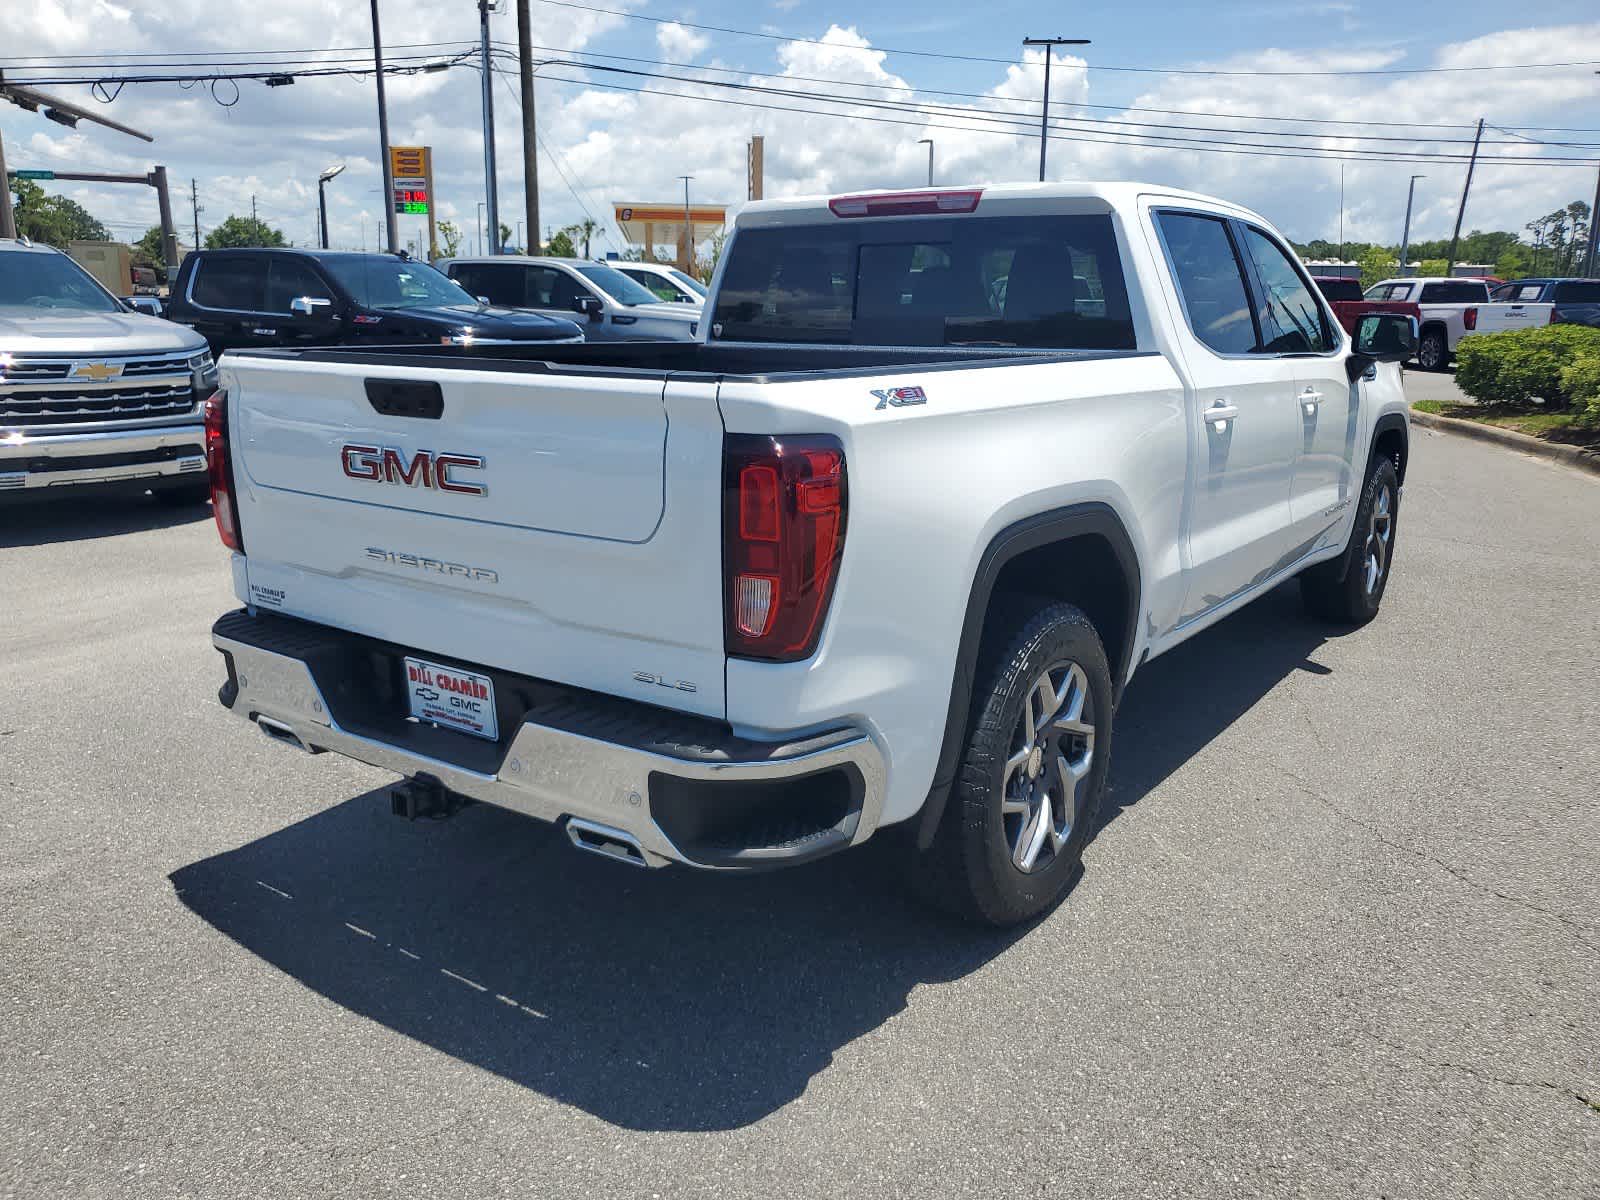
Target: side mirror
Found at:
309, 306
149, 305
1382, 337
483, 300
588, 305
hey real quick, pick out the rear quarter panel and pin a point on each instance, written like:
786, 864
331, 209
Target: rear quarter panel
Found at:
929, 488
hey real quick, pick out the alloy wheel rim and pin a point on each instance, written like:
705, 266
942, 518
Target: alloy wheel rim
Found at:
1043, 782
1380, 532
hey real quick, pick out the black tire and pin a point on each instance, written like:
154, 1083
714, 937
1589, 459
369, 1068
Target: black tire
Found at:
1433, 351
970, 869
186, 495
1354, 597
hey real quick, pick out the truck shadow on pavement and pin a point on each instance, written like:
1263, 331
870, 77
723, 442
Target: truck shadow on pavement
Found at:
80, 519
667, 1000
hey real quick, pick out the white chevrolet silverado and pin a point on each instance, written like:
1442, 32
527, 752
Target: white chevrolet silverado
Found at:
882, 549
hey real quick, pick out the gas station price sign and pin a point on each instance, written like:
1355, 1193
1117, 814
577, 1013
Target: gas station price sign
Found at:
411, 196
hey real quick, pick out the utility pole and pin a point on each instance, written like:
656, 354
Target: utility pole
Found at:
392, 244
687, 264
929, 143
1594, 231
1049, 45
492, 203
194, 202
1341, 219
254, 221
169, 235
756, 155
1455, 237
530, 135
8, 219
1405, 231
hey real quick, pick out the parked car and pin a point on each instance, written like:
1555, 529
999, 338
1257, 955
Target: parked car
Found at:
668, 283
94, 396
610, 306
249, 299
851, 561
1572, 301
1452, 309
1344, 295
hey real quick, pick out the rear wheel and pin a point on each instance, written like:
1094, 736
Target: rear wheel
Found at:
1028, 788
1433, 353
1354, 599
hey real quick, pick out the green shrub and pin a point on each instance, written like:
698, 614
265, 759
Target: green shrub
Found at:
1580, 380
1519, 365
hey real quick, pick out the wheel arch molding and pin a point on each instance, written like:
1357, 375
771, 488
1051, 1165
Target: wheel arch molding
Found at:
1089, 534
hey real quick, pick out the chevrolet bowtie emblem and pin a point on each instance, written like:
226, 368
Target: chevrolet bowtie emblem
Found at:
98, 372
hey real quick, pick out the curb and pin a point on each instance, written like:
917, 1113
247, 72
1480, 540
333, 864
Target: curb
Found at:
1572, 456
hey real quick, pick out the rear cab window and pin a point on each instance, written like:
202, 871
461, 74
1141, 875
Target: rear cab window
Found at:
1042, 282
1339, 289
1456, 291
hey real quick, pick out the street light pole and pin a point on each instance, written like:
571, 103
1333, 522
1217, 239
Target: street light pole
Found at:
1405, 232
392, 245
1049, 45
929, 143
492, 200
322, 202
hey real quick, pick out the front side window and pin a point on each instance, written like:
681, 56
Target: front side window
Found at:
618, 286
378, 281
1291, 318
1211, 281
237, 282
288, 280
1579, 291
49, 281
1039, 282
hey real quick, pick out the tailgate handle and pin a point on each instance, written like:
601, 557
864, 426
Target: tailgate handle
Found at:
419, 398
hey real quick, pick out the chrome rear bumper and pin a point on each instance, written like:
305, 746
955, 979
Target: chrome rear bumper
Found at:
624, 766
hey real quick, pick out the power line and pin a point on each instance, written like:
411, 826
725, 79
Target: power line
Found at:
1090, 122
781, 37
561, 166
986, 123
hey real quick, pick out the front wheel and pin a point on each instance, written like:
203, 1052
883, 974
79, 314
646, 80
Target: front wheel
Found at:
1354, 599
1032, 772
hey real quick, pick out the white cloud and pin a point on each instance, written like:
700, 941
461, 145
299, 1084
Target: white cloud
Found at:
679, 43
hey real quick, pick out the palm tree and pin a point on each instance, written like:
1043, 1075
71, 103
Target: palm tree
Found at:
585, 229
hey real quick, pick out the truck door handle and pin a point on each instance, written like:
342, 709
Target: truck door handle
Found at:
1219, 413
1311, 398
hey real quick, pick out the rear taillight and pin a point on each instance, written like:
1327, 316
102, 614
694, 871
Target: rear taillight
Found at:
1555, 318
219, 467
783, 519
1469, 318
905, 204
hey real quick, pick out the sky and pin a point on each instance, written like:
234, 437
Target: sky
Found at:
949, 70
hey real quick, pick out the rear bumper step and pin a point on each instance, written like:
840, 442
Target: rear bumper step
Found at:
631, 781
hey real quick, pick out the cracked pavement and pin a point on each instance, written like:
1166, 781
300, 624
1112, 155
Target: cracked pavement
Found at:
1339, 935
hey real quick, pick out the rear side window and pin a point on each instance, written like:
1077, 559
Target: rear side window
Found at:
1291, 318
1464, 291
1582, 291
1527, 293
1039, 282
237, 282
1211, 281
500, 283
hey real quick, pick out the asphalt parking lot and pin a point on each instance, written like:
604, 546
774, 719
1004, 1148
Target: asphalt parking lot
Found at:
1339, 934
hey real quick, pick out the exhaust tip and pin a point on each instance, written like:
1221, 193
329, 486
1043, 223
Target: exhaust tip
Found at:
279, 732
606, 841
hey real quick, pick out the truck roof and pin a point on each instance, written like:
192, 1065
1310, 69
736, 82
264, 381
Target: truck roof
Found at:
1111, 193
23, 246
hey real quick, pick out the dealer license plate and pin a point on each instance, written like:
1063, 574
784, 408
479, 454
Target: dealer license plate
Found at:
448, 696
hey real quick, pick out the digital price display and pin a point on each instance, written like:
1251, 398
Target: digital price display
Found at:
411, 198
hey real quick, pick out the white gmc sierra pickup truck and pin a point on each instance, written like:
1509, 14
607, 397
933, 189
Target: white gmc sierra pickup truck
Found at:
882, 548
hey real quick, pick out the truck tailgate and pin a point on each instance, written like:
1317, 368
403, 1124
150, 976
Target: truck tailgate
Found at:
1492, 318
564, 527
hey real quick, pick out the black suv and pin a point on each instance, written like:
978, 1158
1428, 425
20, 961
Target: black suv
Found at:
241, 299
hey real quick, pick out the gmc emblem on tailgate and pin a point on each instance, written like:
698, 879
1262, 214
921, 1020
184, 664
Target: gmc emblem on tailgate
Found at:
384, 464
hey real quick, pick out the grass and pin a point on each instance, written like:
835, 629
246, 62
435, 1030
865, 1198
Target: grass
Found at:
1564, 427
